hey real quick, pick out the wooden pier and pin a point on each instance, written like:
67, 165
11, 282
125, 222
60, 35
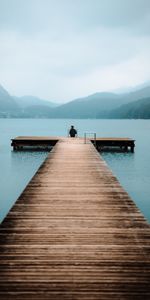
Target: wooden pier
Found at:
38, 142
122, 144
74, 233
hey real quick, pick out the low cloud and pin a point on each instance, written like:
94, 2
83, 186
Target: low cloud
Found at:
61, 50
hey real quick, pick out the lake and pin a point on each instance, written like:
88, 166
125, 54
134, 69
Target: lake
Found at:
132, 169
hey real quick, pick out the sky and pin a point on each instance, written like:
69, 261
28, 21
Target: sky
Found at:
60, 50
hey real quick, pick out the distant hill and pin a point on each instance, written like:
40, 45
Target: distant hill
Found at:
88, 107
7, 104
37, 111
138, 94
99, 105
26, 106
26, 101
139, 109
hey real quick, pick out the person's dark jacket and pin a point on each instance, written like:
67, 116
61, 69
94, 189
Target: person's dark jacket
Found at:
72, 132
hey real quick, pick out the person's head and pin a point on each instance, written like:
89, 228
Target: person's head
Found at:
72, 126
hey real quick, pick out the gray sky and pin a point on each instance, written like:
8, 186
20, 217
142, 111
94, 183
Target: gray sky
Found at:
63, 49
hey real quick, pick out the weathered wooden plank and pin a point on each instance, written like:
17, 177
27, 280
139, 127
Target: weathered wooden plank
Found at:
74, 233
20, 142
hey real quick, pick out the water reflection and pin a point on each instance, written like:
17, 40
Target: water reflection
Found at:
133, 177
20, 168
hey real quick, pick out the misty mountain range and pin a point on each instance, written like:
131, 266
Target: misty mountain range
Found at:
135, 104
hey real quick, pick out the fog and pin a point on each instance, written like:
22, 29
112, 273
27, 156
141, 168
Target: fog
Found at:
63, 49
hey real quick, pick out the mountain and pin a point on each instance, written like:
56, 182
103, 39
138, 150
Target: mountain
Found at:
88, 107
99, 105
138, 94
26, 106
26, 101
139, 109
7, 103
37, 111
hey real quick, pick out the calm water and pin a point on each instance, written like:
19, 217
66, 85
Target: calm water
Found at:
17, 168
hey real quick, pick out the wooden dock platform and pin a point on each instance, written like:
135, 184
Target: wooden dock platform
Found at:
74, 234
21, 142
46, 142
114, 143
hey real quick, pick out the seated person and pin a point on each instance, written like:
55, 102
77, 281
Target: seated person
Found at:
72, 132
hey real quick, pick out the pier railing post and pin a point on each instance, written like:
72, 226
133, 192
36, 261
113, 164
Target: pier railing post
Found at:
94, 139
